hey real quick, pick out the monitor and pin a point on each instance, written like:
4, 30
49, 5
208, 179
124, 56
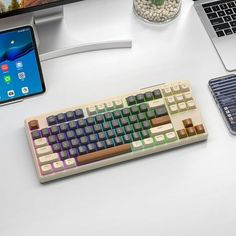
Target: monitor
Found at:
47, 19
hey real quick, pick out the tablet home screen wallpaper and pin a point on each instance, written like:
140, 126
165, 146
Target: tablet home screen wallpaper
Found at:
19, 73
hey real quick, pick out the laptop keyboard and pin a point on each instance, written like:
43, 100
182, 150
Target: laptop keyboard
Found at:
222, 15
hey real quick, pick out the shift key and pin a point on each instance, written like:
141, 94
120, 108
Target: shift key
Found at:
221, 26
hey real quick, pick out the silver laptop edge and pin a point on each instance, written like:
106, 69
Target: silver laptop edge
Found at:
225, 46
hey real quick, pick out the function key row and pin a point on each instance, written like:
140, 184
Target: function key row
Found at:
64, 117
140, 98
175, 89
104, 107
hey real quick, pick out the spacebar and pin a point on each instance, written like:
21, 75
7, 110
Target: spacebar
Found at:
103, 154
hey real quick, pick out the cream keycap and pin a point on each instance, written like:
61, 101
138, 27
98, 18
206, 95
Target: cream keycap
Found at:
57, 166
101, 108
171, 136
173, 109
41, 142
167, 91
170, 100
179, 98
148, 142
159, 139
137, 145
191, 104
42, 151
46, 169
182, 106
91, 110
109, 105
188, 96
156, 103
48, 159
176, 89
161, 129
184, 87
118, 103
69, 163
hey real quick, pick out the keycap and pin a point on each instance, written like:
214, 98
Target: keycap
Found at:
161, 129
65, 145
118, 103
151, 114
221, 26
126, 112
84, 140
161, 111
63, 127
103, 154
184, 87
148, 96
58, 166
93, 138
61, 118
52, 139
101, 136
137, 145
64, 155
143, 107
81, 123
159, 139
228, 31
33, 124
47, 159
137, 127
136, 136
101, 108
100, 145
211, 15
82, 150
109, 143
90, 121
69, 115
157, 93
220, 33
146, 124
106, 126
52, 120
187, 96
72, 125
79, 113
141, 117
42, 151
173, 109
97, 128
176, 89
191, 131
75, 142
182, 106
40, 142
167, 91
56, 147
55, 130
91, 110
118, 141
140, 98
115, 123
179, 98
117, 114
131, 100
46, 169
170, 137
91, 147
170, 100
70, 134
99, 119
227, 18
191, 104
221, 13
156, 104
160, 121
145, 134
70, 163
182, 133
134, 110
79, 132
110, 134
36, 134
88, 130
208, 10
45, 132
108, 116
127, 138
133, 119
187, 123
120, 132
199, 129
148, 142
109, 105
124, 121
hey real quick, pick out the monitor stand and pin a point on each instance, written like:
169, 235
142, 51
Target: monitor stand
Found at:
54, 40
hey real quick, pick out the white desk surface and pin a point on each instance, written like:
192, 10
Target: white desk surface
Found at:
185, 192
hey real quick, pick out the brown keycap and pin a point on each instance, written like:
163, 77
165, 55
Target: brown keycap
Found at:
182, 133
191, 131
200, 129
33, 124
103, 154
163, 120
188, 123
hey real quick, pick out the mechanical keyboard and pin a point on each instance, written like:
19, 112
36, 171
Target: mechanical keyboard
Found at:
94, 135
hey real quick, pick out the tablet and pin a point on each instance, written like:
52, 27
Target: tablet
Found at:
20, 69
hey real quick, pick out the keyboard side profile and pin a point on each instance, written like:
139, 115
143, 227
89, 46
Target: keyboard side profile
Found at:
94, 135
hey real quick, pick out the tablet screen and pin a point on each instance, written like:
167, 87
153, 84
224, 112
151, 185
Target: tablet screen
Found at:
20, 70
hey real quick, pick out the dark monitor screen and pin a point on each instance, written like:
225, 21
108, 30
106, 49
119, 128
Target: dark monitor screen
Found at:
15, 7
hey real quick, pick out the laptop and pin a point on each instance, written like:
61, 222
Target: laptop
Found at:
219, 20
